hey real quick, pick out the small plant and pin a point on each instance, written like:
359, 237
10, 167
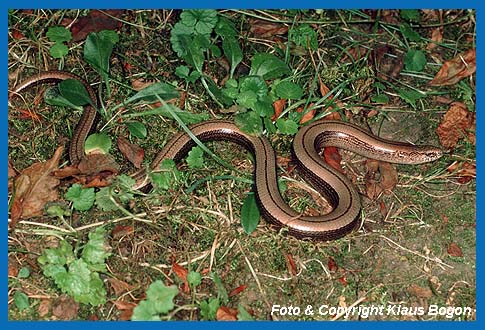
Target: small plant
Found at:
78, 276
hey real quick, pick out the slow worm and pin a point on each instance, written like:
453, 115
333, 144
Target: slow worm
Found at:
308, 142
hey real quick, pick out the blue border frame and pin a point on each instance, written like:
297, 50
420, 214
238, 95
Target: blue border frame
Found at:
261, 4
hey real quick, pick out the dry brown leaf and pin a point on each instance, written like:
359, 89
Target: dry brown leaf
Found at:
237, 290
265, 29
332, 264
436, 37
456, 69
139, 84
290, 263
44, 307
34, 188
95, 21
386, 66
181, 273
119, 286
420, 292
131, 151
454, 250
457, 123
94, 164
309, 115
381, 177
226, 314
333, 158
278, 106
65, 308
126, 309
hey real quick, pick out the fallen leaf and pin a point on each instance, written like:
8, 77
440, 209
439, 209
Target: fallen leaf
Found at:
436, 37
34, 188
265, 29
44, 307
119, 286
13, 270
290, 263
131, 151
120, 231
93, 164
278, 106
237, 290
454, 70
454, 250
386, 61
381, 177
95, 21
65, 308
343, 280
354, 54
181, 273
226, 314
16, 34
309, 115
332, 264
457, 123
420, 292
139, 84
333, 158
126, 309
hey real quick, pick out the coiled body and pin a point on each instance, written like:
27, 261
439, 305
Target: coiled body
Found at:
308, 142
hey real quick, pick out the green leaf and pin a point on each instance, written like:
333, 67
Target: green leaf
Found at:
249, 122
58, 50
287, 126
255, 84
24, 272
225, 28
97, 51
288, 90
264, 106
183, 72
77, 279
195, 158
178, 30
250, 214
75, 92
96, 251
194, 53
304, 35
247, 99
161, 296
414, 60
233, 52
58, 34
221, 290
137, 129
208, 308
168, 175
82, 199
409, 33
411, 15
411, 96
194, 279
98, 143
121, 195
151, 93
21, 300
381, 98
53, 97
202, 21
268, 66
243, 314
145, 312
